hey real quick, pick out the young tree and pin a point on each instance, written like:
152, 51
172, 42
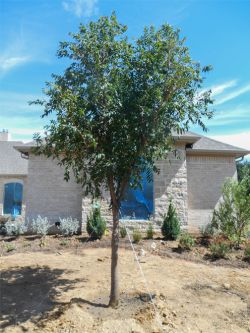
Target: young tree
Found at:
115, 107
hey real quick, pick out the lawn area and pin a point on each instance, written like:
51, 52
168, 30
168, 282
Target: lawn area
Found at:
62, 285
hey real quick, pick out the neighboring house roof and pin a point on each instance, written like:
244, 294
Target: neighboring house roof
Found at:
11, 161
208, 145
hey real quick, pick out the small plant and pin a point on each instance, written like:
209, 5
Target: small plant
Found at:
40, 225
150, 231
186, 242
69, 226
171, 224
10, 247
247, 252
123, 232
96, 225
64, 242
219, 250
137, 236
15, 228
207, 231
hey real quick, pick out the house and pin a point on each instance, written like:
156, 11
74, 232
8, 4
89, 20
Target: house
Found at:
32, 185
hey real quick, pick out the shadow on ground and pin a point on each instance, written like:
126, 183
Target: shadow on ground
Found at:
28, 292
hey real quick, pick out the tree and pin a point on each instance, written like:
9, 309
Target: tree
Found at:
243, 170
232, 217
115, 107
171, 225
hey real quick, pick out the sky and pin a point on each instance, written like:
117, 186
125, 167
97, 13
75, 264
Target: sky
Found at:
217, 32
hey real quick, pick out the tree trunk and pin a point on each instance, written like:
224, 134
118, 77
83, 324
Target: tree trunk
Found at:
114, 293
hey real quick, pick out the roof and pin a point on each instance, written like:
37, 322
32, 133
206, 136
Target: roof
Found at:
208, 145
11, 161
200, 145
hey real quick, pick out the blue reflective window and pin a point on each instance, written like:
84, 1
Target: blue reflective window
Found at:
13, 194
138, 204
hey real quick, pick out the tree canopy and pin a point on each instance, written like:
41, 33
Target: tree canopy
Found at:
117, 104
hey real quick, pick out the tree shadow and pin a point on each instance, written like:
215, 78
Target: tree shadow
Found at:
27, 292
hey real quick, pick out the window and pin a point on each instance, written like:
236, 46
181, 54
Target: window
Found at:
138, 204
13, 193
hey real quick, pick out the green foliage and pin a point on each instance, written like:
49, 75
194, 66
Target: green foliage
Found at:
64, 242
243, 170
69, 226
150, 231
247, 252
123, 232
137, 235
10, 247
15, 228
41, 225
232, 218
96, 225
186, 241
219, 250
208, 230
171, 225
115, 107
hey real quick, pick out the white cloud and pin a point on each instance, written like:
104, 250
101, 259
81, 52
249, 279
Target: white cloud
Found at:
81, 8
239, 114
241, 140
8, 63
219, 89
233, 94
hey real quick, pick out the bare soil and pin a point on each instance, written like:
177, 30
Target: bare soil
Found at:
63, 287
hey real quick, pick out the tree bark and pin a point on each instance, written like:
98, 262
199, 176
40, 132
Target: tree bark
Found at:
114, 292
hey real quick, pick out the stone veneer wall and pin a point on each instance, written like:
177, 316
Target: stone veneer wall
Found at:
171, 182
48, 194
13, 179
205, 176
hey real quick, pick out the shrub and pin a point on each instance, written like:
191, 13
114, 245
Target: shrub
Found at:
232, 218
208, 230
69, 226
64, 242
219, 250
186, 241
40, 225
15, 228
96, 225
123, 232
10, 247
137, 236
171, 224
247, 252
150, 231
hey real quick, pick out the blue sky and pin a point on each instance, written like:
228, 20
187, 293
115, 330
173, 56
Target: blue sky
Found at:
218, 33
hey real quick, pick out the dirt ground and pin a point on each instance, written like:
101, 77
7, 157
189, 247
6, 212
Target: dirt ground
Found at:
67, 291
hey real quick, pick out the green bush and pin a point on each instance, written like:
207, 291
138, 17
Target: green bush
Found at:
208, 230
137, 236
171, 225
219, 250
232, 218
150, 231
247, 252
10, 247
96, 225
123, 232
186, 242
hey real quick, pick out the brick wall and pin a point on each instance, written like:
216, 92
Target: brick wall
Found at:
48, 194
205, 177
